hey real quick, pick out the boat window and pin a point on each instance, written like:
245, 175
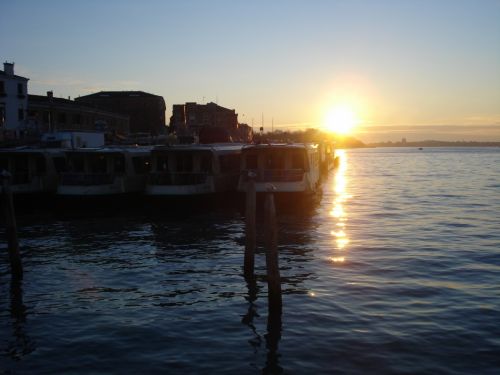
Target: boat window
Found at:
162, 163
59, 164
4, 164
119, 164
229, 163
297, 160
206, 163
275, 161
97, 164
184, 163
251, 162
40, 166
77, 164
21, 164
141, 164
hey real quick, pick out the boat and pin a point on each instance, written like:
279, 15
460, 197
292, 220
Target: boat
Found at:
194, 169
327, 157
105, 171
34, 170
284, 168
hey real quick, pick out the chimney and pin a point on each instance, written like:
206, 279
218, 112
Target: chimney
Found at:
8, 68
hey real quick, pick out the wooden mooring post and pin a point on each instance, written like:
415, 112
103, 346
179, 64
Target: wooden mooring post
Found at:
10, 226
250, 233
272, 265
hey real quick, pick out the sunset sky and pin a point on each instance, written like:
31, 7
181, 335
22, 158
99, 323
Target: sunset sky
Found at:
426, 69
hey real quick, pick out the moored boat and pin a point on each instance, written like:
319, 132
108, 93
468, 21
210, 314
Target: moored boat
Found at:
33, 170
105, 171
286, 168
195, 169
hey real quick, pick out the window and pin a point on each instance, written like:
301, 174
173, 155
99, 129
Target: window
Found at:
2, 87
98, 164
60, 164
2, 116
297, 160
20, 89
40, 167
141, 164
162, 163
77, 118
184, 163
61, 118
77, 164
20, 114
251, 162
275, 161
4, 163
206, 163
119, 164
229, 163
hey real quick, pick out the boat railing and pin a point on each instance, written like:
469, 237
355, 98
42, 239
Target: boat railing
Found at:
87, 179
178, 178
275, 175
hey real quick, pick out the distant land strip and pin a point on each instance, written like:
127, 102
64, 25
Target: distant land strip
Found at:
430, 143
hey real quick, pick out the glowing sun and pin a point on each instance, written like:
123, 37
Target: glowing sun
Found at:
341, 120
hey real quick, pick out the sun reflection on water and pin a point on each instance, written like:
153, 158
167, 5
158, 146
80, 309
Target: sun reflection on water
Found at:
338, 211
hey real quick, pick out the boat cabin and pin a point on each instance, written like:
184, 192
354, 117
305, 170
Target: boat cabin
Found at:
33, 170
194, 169
286, 168
105, 171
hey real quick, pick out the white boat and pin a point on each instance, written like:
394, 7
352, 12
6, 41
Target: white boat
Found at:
195, 169
33, 170
105, 171
285, 168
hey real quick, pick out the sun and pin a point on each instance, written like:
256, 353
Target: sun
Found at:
341, 120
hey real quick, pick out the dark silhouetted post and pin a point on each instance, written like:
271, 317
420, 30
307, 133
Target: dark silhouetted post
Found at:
250, 227
273, 271
10, 226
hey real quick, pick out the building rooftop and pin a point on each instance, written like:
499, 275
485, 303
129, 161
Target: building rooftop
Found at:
3, 74
119, 94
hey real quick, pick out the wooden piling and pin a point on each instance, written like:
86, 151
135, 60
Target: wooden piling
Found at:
273, 272
250, 240
10, 226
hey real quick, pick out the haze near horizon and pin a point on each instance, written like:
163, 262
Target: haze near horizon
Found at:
378, 70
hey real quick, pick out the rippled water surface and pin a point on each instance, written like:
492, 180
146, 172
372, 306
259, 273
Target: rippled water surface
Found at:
395, 269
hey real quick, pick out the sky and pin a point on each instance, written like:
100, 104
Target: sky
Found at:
420, 69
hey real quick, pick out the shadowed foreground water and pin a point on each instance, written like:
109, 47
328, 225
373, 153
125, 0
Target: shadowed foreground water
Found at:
395, 269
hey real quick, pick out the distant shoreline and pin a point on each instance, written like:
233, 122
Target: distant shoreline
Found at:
434, 144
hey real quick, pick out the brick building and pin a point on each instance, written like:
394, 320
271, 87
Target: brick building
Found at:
189, 119
146, 111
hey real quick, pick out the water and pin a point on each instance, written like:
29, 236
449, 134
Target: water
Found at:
395, 269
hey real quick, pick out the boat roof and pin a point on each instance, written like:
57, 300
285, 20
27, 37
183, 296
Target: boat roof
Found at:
201, 147
31, 150
112, 149
269, 146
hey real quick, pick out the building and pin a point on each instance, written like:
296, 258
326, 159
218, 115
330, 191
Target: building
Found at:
13, 102
193, 119
48, 114
146, 111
